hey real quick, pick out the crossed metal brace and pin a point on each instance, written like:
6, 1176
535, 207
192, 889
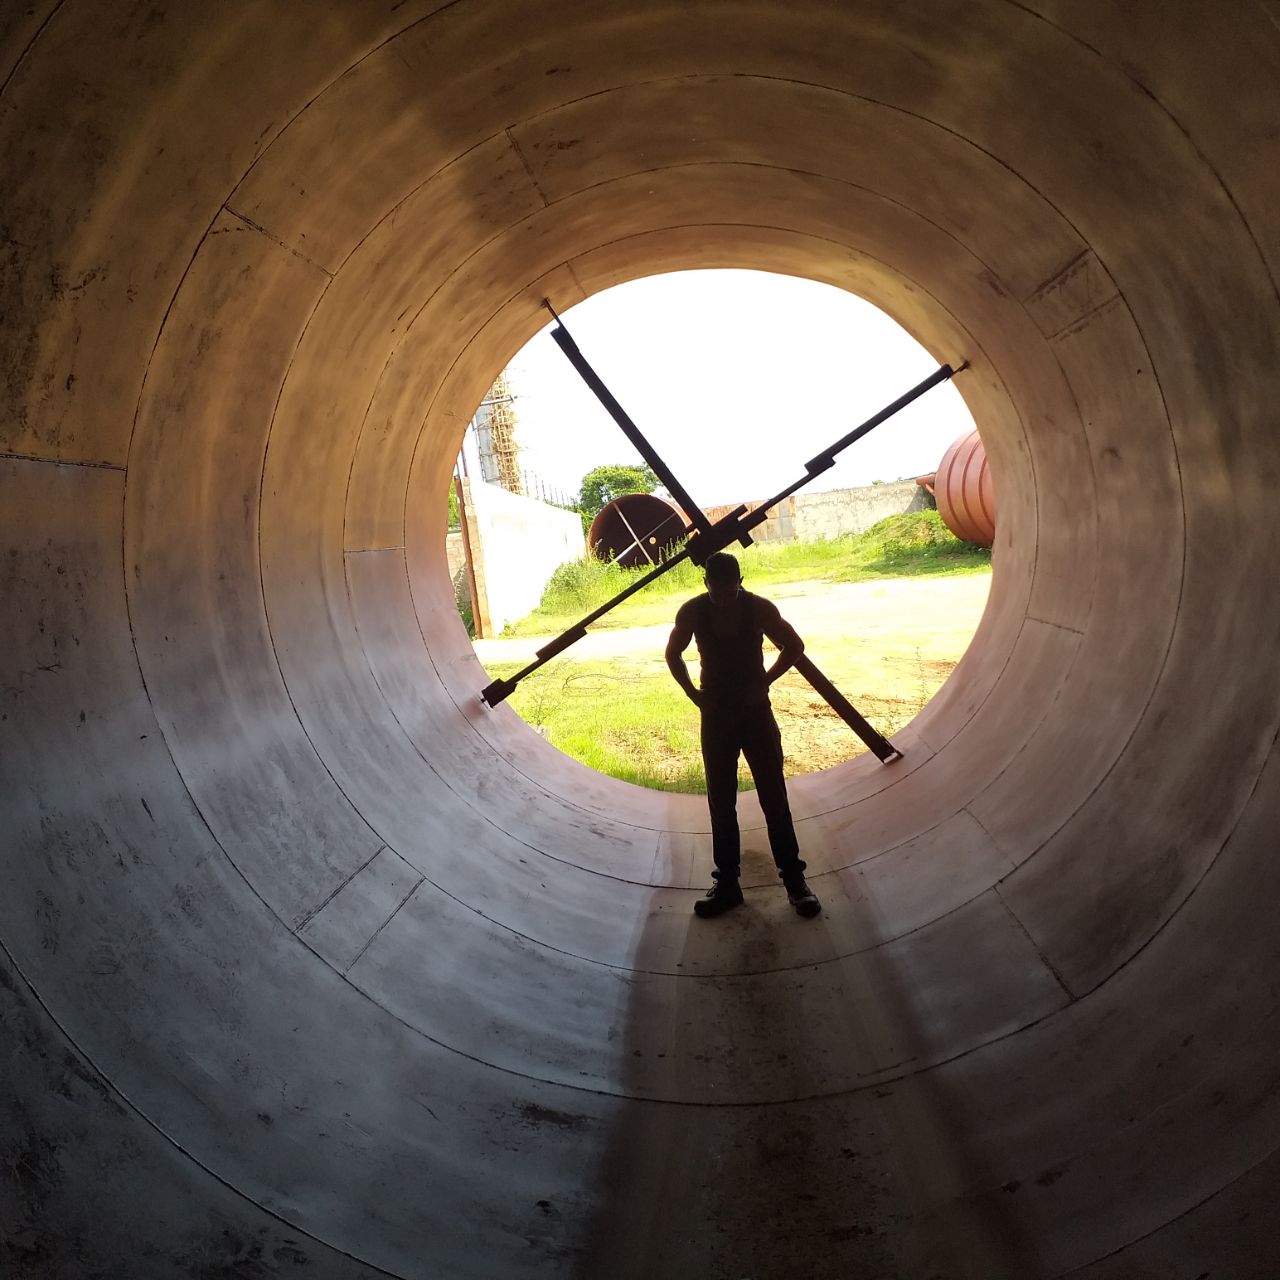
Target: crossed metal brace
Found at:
707, 537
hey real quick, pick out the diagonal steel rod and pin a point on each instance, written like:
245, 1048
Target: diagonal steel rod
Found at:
499, 690
564, 340
827, 458
708, 538
883, 749
874, 740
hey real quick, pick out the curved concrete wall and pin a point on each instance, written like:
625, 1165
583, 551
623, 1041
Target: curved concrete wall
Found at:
312, 966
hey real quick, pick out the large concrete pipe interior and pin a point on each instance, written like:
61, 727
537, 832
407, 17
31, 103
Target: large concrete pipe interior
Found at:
314, 967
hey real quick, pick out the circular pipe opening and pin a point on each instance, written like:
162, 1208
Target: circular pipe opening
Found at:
736, 376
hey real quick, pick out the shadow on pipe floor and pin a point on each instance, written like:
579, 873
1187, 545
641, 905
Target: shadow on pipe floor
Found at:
737, 1159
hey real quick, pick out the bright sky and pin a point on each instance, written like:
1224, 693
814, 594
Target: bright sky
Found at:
736, 378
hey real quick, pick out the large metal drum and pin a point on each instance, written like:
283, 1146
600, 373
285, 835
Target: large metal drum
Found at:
636, 529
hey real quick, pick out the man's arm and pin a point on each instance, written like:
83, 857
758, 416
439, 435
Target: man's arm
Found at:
681, 634
784, 635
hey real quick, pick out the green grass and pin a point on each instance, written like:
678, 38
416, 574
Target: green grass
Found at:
629, 719
914, 545
630, 722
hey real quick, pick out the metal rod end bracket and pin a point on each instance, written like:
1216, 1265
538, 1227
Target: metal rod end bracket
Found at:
497, 692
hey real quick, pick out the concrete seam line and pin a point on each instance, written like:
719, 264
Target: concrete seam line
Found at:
21, 58
395, 911
528, 168
288, 248
1060, 626
1176, 910
873, 1081
1177, 1217
995, 844
132, 1106
315, 911
62, 462
1173, 119
1044, 959
315, 97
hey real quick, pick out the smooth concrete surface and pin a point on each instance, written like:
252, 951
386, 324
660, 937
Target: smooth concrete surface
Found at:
314, 967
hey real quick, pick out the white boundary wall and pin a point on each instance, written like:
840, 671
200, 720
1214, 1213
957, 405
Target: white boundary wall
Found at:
517, 543
842, 511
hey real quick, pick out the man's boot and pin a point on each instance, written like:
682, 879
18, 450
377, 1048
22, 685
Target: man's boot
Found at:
802, 897
723, 896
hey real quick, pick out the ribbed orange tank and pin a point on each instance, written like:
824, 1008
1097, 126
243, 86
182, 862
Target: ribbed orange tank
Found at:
965, 491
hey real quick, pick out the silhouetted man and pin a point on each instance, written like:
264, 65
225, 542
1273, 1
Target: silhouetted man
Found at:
729, 624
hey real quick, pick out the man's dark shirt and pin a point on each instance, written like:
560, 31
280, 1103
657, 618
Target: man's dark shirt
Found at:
731, 647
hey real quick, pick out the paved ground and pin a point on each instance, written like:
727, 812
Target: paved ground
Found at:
935, 615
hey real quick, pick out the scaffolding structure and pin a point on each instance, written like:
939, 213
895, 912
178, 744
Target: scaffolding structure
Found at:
495, 427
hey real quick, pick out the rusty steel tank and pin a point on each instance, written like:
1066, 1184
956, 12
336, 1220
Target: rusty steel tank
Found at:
965, 491
636, 530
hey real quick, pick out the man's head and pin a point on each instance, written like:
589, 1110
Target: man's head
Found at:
723, 578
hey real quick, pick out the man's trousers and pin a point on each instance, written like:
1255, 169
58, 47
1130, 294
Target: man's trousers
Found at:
752, 731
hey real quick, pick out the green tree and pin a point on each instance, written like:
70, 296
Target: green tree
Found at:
603, 484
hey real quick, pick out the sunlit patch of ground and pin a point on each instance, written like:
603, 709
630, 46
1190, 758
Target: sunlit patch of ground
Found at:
887, 645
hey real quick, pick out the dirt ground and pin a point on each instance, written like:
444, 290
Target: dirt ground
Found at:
887, 645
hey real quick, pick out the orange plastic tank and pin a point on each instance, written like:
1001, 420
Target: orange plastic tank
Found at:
636, 529
965, 491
